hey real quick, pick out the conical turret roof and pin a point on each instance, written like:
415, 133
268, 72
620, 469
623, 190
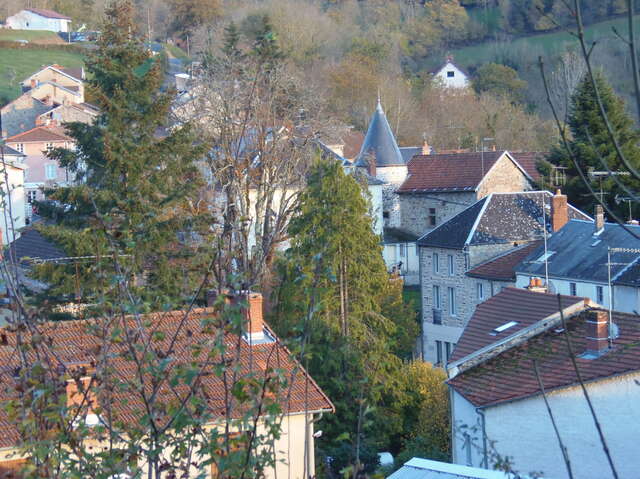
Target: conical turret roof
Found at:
379, 143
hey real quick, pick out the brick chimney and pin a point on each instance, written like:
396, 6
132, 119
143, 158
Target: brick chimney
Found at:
34, 83
599, 217
254, 318
371, 165
559, 211
597, 333
536, 285
426, 149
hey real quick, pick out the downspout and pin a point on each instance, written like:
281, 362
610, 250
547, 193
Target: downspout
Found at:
485, 460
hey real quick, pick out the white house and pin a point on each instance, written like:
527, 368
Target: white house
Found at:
450, 75
13, 213
576, 263
38, 19
497, 406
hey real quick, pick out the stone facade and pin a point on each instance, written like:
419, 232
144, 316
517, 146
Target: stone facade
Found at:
393, 176
503, 177
417, 209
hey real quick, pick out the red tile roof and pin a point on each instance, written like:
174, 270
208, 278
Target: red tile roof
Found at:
451, 172
74, 342
352, 144
40, 134
502, 268
48, 13
510, 375
528, 160
511, 304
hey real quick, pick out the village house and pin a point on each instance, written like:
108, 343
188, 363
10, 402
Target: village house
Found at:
42, 171
256, 352
438, 187
13, 209
513, 349
58, 84
450, 75
497, 224
38, 19
576, 262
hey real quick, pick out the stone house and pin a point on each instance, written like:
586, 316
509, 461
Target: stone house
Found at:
497, 403
438, 187
495, 225
257, 351
41, 171
38, 19
576, 262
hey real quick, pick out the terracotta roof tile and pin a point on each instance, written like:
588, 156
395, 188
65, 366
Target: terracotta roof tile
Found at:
528, 160
502, 268
510, 375
74, 342
39, 134
511, 304
48, 13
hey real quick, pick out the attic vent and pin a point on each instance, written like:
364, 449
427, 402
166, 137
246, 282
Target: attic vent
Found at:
503, 328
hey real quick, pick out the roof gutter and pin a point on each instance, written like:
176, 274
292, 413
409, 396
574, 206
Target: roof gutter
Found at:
491, 350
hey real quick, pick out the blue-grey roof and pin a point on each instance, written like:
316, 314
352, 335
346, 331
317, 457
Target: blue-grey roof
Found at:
629, 276
579, 253
497, 219
379, 143
33, 245
418, 468
409, 152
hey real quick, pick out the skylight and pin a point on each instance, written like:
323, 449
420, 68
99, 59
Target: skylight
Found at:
545, 256
504, 327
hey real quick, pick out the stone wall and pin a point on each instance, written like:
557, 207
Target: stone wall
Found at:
393, 176
415, 209
504, 177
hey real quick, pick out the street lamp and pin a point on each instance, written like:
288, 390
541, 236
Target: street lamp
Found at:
482, 152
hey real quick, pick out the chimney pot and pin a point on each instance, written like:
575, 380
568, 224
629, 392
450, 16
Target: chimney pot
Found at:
599, 217
536, 285
426, 149
559, 211
597, 331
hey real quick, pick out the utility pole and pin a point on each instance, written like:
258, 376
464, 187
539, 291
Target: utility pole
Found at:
149, 24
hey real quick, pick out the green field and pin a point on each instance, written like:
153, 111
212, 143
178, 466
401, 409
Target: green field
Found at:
545, 44
32, 36
18, 64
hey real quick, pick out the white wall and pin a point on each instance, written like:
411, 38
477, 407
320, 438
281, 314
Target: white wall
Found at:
583, 288
626, 298
523, 431
375, 192
410, 271
26, 20
17, 212
459, 79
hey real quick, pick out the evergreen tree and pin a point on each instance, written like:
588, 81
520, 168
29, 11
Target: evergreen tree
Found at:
593, 148
134, 186
335, 270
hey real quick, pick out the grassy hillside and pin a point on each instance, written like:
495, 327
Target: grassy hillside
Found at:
32, 36
546, 44
18, 64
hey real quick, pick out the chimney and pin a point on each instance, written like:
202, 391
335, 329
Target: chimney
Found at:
254, 318
599, 217
34, 83
371, 165
536, 285
81, 393
597, 333
426, 149
559, 211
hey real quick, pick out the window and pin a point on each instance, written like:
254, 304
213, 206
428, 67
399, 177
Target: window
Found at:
32, 196
447, 347
451, 265
49, 146
438, 352
20, 147
432, 216
599, 294
403, 250
435, 263
572, 289
436, 297
503, 328
451, 74
452, 301
50, 172
480, 291
385, 214
545, 257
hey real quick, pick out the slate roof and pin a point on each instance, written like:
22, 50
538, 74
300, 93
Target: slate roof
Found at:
379, 143
16, 116
450, 172
629, 276
409, 152
502, 268
40, 134
48, 13
418, 468
397, 235
8, 151
581, 255
511, 304
33, 245
496, 219
510, 375
77, 73
74, 343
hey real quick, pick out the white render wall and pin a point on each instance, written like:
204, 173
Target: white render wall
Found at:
459, 79
583, 288
17, 212
523, 431
375, 196
410, 265
626, 298
26, 20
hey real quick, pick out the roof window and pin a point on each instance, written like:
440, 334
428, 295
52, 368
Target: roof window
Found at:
503, 328
545, 256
